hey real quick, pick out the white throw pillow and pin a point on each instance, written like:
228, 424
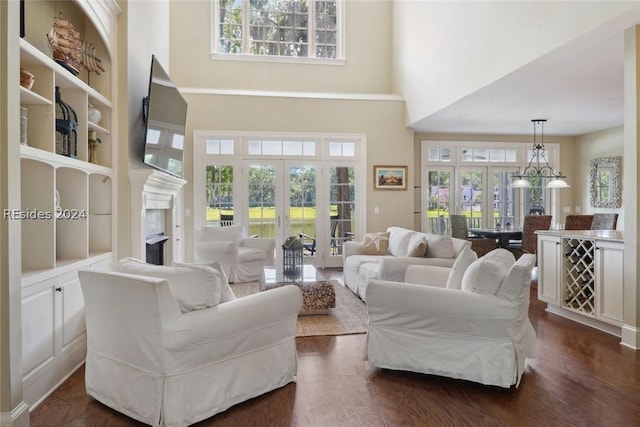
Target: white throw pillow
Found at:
440, 246
194, 286
375, 243
399, 241
464, 260
226, 293
418, 246
485, 275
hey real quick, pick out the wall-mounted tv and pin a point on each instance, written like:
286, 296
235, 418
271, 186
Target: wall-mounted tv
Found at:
165, 114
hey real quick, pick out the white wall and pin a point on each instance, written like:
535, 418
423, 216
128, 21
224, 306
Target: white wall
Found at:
148, 34
367, 68
606, 143
444, 51
389, 142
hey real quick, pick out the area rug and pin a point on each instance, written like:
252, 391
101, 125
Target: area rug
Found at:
348, 317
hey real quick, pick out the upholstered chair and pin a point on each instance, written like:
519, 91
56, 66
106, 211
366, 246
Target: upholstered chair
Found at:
473, 325
171, 346
243, 258
604, 221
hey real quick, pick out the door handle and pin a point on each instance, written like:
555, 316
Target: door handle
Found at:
278, 221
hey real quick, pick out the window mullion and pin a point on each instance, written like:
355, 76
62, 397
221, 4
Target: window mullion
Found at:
246, 27
311, 29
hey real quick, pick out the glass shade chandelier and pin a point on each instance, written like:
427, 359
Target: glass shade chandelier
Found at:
538, 167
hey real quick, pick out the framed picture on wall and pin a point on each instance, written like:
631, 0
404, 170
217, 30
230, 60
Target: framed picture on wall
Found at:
389, 177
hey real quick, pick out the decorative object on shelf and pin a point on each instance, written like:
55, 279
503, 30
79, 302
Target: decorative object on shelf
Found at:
389, 177
64, 42
66, 128
605, 176
539, 168
26, 78
94, 140
90, 61
94, 114
23, 126
292, 251
56, 204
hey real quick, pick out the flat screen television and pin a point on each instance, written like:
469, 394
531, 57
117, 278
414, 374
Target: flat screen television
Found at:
165, 116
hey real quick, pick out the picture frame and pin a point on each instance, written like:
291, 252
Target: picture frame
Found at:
387, 177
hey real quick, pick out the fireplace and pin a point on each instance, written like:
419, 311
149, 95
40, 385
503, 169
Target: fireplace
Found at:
156, 216
155, 248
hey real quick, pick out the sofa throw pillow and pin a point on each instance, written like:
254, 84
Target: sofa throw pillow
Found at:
399, 241
418, 245
464, 260
194, 286
375, 243
226, 293
485, 275
440, 246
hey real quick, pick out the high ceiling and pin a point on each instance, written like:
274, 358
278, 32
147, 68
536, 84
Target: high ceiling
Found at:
578, 88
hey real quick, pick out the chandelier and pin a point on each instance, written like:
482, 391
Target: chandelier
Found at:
538, 167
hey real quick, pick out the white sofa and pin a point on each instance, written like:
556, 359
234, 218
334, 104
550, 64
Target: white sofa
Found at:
473, 327
243, 258
170, 346
359, 268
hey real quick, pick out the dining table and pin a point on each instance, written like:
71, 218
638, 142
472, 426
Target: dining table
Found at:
502, 235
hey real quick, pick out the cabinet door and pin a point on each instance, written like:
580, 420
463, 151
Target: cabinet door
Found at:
549, 262
38, 328
610, 282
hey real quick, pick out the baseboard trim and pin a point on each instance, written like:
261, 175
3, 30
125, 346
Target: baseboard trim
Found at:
18, 417
588, 321
630, 337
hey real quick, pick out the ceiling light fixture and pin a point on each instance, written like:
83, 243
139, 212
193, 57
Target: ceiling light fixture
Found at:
539, 167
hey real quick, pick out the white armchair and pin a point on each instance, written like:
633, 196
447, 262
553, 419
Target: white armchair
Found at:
243, 258
477, 329
170, 346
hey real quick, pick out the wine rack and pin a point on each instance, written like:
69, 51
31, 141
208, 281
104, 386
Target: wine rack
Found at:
579, 275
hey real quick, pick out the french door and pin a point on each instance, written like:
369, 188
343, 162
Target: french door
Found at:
293, 198
282, 201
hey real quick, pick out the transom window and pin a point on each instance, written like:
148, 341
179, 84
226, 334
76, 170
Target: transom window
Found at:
280, 28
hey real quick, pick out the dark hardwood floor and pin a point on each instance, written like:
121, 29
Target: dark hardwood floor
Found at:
581, 377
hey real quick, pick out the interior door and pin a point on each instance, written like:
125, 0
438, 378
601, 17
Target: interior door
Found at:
282, 201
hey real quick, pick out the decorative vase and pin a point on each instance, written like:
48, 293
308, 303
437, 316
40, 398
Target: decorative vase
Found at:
94, 114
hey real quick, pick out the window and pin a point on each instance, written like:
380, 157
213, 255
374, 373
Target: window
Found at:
219, 194
280, 28
473, 178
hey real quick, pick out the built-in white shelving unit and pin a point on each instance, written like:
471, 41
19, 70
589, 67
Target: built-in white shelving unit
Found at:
68, 203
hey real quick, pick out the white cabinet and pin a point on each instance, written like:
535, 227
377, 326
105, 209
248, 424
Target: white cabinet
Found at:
549, 257
609, 281
67, 202
581, 276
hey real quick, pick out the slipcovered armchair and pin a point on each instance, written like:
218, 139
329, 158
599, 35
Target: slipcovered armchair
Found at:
243, 258
170, 346
475, 326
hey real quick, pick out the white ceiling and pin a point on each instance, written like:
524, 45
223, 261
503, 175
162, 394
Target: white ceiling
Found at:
578, 88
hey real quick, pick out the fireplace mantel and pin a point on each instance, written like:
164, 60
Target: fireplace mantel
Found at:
153, 189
